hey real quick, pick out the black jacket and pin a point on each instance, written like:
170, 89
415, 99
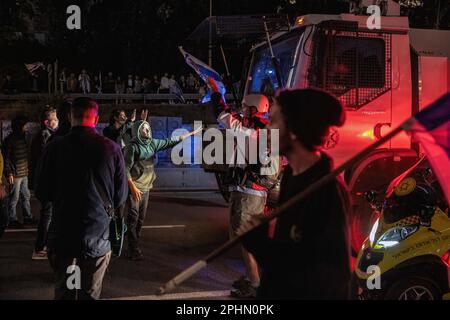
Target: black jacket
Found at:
38, 144
309, 256
65, 176
15, 153
121, 136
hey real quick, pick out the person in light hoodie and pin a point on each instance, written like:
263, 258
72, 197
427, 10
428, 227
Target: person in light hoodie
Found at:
140, 157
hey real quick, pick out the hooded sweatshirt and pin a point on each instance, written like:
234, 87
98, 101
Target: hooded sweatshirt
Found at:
140, 156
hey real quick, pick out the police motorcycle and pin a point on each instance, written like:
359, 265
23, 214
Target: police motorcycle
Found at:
407, 256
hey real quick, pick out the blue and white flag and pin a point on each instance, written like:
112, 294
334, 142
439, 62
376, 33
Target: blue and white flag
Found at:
210, 76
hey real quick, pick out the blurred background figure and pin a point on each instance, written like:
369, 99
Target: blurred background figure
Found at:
15, 152
49, 126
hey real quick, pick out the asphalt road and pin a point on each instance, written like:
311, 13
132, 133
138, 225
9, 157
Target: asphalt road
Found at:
180, 229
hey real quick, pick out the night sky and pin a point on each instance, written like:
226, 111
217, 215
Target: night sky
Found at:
137, 36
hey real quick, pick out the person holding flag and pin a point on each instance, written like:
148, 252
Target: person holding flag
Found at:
291, 267
248, 194
289, 259
249, 188
430, 127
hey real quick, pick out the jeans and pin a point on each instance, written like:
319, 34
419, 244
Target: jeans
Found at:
137, 211
44, 224
19, 190
92, 272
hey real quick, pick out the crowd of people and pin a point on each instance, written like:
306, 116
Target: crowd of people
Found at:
87, 82
106, 83
79, 175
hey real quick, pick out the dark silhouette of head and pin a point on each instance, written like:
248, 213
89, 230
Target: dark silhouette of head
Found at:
84, 112
18, 124
309, 114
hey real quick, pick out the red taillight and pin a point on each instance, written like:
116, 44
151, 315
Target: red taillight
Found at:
446, 258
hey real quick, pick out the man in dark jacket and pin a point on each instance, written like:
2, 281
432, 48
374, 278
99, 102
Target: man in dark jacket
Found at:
69, 173
49, 125
63, 114
15, 152
120, 127
308, 257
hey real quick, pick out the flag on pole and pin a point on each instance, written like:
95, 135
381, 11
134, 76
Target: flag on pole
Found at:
210, 76
33, 67
431, 128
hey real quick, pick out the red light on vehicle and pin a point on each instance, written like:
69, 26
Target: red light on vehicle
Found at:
446, 259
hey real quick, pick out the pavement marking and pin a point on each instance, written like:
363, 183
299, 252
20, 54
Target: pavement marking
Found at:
180, 296
19, 230
144, 227
165, 227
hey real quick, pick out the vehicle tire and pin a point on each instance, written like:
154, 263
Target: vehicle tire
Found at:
414, 288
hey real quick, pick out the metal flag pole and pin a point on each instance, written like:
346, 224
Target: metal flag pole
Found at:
201, 264
229, 78
275, 62
210, 44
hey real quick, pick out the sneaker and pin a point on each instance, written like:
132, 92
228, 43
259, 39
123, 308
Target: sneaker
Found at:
240, 283
39, 255
30, 221
15, 225
248, 292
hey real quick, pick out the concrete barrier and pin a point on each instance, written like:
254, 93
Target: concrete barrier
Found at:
188, 179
